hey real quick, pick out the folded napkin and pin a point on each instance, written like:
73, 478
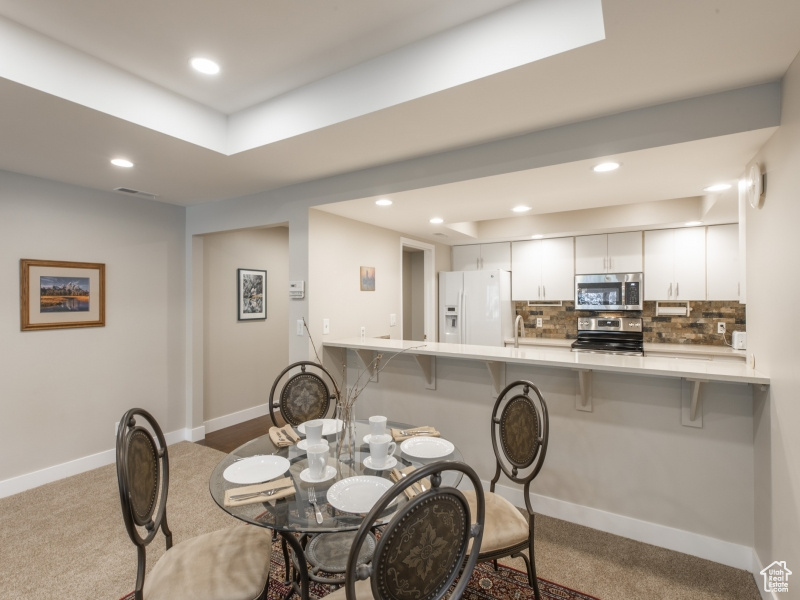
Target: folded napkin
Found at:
283, 436
414, 432
284, 482
415, 489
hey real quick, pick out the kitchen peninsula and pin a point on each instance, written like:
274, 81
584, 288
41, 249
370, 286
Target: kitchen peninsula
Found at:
653, 448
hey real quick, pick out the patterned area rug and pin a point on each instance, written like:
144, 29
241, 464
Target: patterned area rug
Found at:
485, 583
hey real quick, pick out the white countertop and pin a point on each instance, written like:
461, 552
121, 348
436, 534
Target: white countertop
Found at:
732, 371
678, 350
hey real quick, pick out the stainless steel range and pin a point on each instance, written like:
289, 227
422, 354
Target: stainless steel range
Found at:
615, 335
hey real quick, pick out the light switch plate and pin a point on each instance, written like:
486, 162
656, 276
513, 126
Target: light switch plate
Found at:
299, 326
392, 320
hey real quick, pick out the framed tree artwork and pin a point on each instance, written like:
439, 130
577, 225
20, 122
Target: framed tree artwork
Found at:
251, 294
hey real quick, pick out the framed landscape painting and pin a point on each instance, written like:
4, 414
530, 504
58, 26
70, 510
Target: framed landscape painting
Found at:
367, 276
252, 294
62, 295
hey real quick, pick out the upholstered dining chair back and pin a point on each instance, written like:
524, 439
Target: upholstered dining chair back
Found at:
229, 564
143, 481
520, 431
303, 391
432, 540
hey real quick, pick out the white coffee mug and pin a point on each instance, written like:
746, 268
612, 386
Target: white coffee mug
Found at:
377, 425
314, 431
317, 460
380, 446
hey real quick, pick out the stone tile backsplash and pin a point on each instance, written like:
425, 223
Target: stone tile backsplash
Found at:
700, 327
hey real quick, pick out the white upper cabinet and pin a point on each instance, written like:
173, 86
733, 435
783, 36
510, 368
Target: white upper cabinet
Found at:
482, 257
722, 262
543, 269
609, 253
675, 264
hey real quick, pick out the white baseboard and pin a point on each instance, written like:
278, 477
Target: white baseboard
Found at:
15, 485
726, 553
236, 418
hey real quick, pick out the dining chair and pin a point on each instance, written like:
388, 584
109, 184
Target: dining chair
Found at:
301, 392
520, 430
430, 541
229, 564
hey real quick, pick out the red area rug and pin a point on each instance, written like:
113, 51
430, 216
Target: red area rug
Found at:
485, 583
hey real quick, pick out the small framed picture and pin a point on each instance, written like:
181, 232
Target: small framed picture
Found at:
367, 279
251, 294
61, 295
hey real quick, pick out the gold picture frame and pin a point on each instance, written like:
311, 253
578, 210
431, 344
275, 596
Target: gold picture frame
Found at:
61, 295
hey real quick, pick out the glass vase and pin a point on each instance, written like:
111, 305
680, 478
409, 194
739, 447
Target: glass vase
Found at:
346, 438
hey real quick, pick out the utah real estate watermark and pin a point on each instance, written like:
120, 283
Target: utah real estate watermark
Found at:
776, 577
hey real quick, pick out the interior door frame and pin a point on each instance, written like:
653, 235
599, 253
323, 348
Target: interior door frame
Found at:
429, 285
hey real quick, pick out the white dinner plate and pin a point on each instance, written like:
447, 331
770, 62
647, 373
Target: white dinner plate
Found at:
427, 447
390, 462
330, 472
329, 426
357, 494
256, 469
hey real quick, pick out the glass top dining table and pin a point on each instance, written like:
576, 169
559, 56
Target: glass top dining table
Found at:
294, 514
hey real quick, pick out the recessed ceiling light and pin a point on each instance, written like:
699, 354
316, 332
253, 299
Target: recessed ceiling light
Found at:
121, 162
538, 236
694, 223
437, 220
204, 65
383, 202
605, 167
521, 209
717, 187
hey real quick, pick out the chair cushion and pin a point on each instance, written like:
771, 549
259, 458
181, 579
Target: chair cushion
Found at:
505, 525
229, 564
363, 591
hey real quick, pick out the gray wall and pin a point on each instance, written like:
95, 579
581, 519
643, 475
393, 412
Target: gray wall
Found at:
771, 277
63, 390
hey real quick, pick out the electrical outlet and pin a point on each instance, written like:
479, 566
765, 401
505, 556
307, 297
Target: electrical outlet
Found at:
539, 321
720, 327
299, 326
363, 332
326, 326
392, 320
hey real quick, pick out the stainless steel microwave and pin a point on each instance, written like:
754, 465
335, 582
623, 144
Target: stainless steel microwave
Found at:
609, 291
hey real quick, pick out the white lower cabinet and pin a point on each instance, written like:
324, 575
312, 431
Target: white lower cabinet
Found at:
543, 269
675, 264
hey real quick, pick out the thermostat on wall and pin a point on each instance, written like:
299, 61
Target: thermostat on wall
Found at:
297, 290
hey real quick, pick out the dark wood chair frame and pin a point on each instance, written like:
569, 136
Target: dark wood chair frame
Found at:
143, 493
515, 455
308, 370
472, 528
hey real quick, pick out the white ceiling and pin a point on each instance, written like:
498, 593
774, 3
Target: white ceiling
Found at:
85, 80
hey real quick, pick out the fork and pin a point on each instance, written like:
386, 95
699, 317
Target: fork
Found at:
312, 498
417, 431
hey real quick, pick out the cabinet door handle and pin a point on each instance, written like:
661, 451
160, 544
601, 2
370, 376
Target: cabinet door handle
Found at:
604, 263
610, 264
544, 292
538, 291
677, 289
669, 294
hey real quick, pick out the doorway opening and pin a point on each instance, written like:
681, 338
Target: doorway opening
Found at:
418, 291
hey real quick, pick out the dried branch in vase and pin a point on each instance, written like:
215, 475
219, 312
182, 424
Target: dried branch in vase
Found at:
345, 402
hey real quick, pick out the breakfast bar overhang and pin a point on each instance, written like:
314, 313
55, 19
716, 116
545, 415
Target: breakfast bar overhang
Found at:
692, 372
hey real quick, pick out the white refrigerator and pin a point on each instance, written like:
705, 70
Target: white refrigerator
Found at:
475, 307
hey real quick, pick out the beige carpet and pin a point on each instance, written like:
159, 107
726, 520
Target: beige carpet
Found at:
67, 540
60, 542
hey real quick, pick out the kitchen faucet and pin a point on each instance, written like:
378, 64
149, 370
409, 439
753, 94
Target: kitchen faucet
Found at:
517, 322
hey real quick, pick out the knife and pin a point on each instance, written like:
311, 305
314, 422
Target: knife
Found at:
270, 492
